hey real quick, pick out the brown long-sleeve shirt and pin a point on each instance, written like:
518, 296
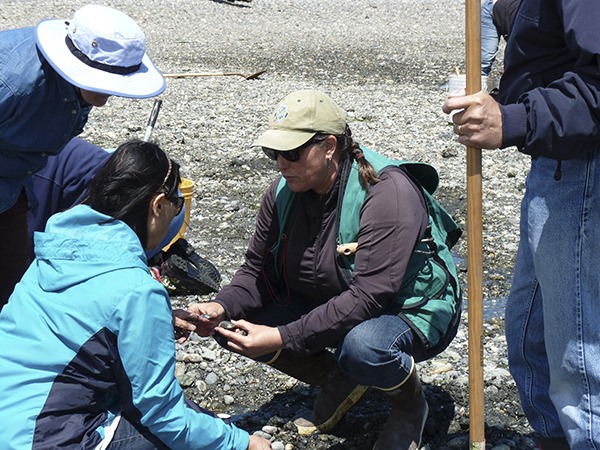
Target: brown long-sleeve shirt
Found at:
393, 218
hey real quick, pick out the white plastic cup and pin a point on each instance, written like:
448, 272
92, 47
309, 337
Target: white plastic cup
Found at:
456, 83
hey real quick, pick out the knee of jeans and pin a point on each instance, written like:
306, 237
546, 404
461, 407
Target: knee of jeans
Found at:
360, 369
358, 350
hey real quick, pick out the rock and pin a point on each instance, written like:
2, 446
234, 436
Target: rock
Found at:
211, 378
262, 434
269, 429
209, 355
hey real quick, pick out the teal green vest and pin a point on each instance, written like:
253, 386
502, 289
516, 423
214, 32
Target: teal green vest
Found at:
430, 295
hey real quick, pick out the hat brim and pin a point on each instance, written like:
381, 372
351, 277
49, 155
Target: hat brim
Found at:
144, 83
283, 140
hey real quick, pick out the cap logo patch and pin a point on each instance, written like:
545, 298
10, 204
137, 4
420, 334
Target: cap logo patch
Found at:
281, 113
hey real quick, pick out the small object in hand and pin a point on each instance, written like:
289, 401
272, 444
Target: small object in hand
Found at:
228, 325
205, 316
180, 332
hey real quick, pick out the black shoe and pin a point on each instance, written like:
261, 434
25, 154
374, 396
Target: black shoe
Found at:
186, 278
185, 250
184, 272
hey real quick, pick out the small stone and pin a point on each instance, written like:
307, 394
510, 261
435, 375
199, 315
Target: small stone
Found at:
459, 442
209, 355
192, 358
211, 378
186, 380
179, 370
498, 447
290, 383
269, 429
262, 434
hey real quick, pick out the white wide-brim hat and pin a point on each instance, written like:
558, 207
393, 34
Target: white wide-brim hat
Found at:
101, 50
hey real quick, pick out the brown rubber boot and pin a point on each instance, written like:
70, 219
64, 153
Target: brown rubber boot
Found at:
404, 426
337, 393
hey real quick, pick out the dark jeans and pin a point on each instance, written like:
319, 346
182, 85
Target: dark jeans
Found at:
15, 247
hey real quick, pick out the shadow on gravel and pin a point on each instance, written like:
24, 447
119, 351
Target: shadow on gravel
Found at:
359, 428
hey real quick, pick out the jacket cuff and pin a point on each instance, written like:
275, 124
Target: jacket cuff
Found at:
291, 337
514, 125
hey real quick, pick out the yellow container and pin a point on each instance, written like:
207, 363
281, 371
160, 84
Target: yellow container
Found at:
187, 189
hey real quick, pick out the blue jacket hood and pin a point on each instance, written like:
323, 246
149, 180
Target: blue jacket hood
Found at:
64, 258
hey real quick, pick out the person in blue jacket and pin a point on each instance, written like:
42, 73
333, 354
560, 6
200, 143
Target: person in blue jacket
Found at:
87, 337
548, 106
51, 76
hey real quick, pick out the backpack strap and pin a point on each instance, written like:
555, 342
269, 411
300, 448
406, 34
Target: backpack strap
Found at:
284, 202
352, 193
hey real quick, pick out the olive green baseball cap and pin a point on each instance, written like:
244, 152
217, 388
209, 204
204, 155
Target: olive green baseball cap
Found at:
300, 116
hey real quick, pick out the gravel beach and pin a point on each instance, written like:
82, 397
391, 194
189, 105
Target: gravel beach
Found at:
384, 62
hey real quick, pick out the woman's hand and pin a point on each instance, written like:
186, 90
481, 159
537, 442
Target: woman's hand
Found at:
258, 443
251, 340
183, 324
200, 318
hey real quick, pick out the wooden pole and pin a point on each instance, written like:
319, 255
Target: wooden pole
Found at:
474, 239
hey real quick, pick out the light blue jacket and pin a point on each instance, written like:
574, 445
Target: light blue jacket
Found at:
39, 112
86, 336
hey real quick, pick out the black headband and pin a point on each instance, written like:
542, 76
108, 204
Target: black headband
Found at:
96, 65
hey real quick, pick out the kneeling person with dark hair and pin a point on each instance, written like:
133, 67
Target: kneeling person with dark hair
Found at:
87, 338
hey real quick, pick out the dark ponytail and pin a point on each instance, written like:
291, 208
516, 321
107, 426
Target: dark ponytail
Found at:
128, 181
347, 146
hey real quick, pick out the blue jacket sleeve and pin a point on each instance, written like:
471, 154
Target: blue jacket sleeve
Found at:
8, 102
150, 391
558, 114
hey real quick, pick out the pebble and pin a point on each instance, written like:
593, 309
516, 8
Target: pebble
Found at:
209, 355
262, 434
211, 378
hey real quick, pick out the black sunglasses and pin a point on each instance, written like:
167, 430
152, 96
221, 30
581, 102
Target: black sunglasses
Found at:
178, 203
291, 155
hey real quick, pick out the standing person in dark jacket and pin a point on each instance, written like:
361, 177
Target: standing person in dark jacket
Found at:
549, 107
295, 301
51, 76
